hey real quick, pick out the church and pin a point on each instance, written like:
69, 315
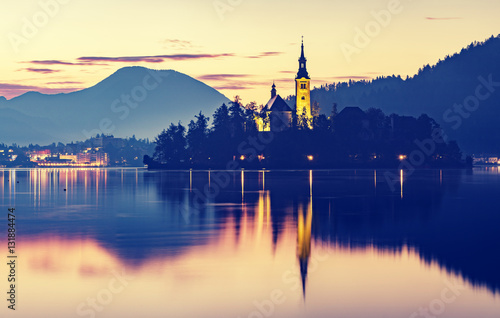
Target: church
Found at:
277, 115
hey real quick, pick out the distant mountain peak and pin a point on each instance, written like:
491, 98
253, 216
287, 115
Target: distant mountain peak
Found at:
138, 70
129, 101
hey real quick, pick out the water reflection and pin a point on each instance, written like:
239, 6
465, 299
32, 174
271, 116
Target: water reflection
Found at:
264, 230
304, 225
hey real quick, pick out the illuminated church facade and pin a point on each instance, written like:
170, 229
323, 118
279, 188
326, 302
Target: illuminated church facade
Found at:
277, 114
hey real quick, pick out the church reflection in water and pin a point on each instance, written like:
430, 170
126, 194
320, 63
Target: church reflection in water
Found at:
304, 224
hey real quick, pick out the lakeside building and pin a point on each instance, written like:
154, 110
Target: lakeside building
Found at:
90, 157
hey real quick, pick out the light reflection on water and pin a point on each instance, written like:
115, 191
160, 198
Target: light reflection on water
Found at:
329, 243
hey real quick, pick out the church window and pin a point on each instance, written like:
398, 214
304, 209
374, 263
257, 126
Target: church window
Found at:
303, 98
303, 86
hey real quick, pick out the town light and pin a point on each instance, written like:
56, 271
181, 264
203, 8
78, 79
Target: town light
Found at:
310, 158
402, 157
242, 158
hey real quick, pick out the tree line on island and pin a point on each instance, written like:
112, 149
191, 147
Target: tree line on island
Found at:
351, 138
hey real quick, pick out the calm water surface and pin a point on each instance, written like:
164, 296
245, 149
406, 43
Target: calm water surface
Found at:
342, 243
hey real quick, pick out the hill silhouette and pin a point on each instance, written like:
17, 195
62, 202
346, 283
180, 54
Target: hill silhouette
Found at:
155, 98
435, 90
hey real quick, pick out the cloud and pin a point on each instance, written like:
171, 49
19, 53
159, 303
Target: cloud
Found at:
41, 70
11, 90
285, 80
264, 54
16, 86
104, 60
56, 62
50, 62
178, 44
270, 53
152, 58
63, 83
221, 77
232, 87
444, 18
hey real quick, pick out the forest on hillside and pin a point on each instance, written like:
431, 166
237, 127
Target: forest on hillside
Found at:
440, 91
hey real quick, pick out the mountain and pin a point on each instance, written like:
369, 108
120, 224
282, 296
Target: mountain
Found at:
437, 91
132, 101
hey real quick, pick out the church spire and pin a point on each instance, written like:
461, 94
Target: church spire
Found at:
302, 55
302, 64
273, 91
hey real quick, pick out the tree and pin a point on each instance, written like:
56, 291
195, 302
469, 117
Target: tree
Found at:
321, 123
219, 137
171, 145
315, 109
334, 111
221, 119
197, 137
251, 117
236, 118
303, 121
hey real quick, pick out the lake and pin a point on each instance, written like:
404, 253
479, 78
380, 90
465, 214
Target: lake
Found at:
336, 243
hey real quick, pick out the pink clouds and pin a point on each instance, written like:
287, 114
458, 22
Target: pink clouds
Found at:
41, 70
221, 77
58, 62
445, 18
264, 54
152, 58
11, 90
63, 83
231, 87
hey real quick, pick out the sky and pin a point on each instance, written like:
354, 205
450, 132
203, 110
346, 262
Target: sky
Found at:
236, 46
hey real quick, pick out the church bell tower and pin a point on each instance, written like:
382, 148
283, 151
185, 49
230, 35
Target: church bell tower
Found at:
303, 89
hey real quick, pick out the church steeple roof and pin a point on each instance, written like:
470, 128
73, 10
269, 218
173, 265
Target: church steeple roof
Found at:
302, 55
302, 64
